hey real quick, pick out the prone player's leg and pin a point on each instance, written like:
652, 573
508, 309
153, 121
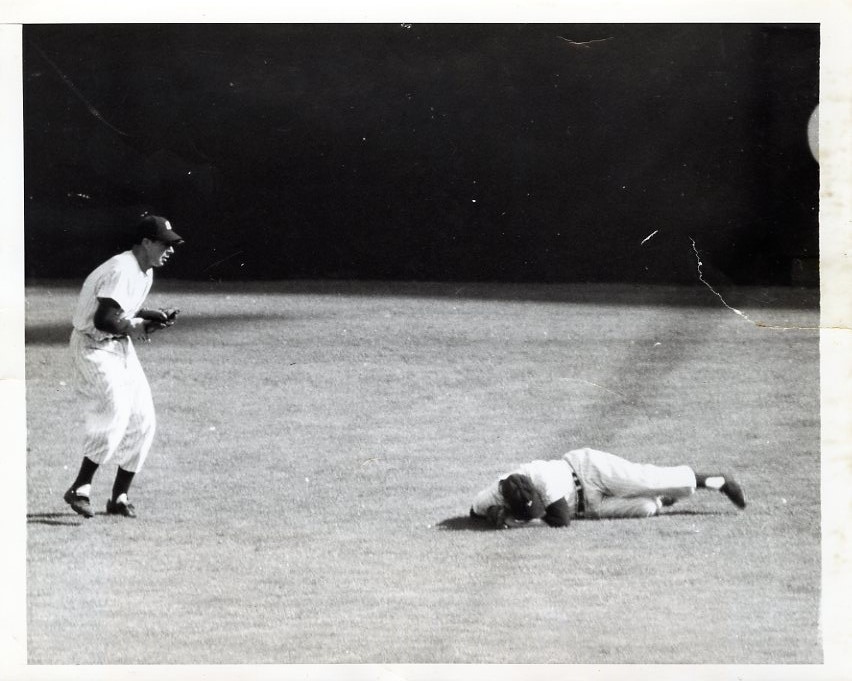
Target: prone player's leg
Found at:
614, 476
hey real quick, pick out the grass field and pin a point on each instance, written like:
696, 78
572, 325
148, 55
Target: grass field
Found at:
319, 446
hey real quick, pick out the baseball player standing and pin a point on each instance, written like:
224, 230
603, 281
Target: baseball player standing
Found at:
120, 419
588, 483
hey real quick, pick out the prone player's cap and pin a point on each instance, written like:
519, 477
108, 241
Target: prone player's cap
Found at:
156, 227
523, 499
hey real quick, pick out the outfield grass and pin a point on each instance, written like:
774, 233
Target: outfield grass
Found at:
319, 446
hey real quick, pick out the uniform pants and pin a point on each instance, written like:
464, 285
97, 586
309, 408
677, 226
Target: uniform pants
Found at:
616, 488
120, 420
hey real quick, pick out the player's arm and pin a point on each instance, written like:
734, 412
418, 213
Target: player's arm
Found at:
152, 315
490, 505
109, 318
495, 515
163, 315
161, 318
487, 498
498, 517
558, 514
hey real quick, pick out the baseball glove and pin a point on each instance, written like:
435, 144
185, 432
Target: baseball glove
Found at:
159, 319
497, 517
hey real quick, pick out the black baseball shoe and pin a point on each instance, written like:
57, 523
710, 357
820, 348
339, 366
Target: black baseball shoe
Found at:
79, 503
120, 508
733, 491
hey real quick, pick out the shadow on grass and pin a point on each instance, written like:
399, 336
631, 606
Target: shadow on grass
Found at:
464, 523
67, 518
60, 333
47, 334
686, 511
601, 293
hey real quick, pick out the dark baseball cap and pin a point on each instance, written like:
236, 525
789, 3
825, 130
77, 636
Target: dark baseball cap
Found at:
522, 497
156, 227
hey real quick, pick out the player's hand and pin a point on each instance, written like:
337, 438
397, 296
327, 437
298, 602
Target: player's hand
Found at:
512, 522
497, 517
137, 329
170, 315
159, 319
152, 325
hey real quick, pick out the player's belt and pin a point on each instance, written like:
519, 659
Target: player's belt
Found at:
581, 498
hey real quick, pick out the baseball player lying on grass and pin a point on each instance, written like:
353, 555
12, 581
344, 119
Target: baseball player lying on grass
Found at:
587, 483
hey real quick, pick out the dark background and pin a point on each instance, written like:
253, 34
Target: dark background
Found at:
485, 152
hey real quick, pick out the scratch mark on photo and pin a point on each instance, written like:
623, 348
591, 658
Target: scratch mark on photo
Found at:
648, 237
77, 93
583, 44
735, 310
219, 262
582, 380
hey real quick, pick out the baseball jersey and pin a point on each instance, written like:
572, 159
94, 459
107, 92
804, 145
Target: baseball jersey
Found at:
119, 278
552, 479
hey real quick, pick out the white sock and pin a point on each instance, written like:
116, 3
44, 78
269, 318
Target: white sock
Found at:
121, 498
714, 482
84, 490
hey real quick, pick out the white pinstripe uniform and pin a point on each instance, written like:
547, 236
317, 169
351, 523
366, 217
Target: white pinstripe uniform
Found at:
612, 487
120, 420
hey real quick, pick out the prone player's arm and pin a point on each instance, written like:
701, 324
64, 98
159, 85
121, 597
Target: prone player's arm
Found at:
558, 514
109, 318
487, 498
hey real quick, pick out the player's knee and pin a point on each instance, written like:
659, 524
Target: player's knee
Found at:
147, 417
652, 507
